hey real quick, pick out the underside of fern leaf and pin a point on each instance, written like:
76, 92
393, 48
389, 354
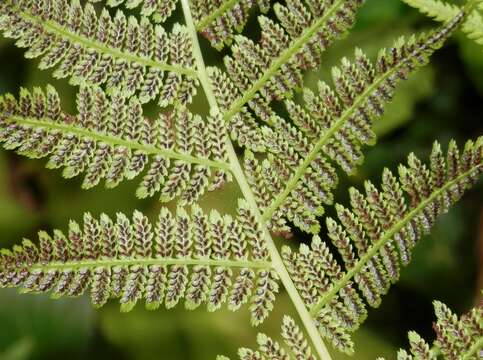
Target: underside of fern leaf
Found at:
296, 179
376, 236
455, 338
259, 73
206, 259
443, 11
219, 21
111, 139
121, 52
286, 173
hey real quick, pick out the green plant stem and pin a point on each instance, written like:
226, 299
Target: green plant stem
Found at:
237, 171
115, 141
151, 261
277, 261
386, 237
53, 27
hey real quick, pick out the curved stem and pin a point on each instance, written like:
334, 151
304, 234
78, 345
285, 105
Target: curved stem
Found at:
387, 236
115, 141
277, 261
275, 257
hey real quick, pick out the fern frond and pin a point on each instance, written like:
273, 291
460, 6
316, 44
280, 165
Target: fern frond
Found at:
206, 259
442, 11
294, 341
218, 21
271, 69
298, 177
376, 236
125, 54
460, 339
111, 139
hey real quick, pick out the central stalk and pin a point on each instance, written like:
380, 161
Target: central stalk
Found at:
237, 171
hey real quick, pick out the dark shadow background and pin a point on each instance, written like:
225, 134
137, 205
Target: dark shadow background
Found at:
442, 101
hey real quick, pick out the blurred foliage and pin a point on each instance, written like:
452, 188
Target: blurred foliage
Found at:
443, 100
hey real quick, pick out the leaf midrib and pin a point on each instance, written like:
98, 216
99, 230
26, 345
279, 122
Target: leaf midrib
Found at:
386, 237
150, 261
205, 21
115, 141
276, 259
55, 28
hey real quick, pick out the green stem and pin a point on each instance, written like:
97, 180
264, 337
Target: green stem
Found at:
115, 141
205, 21
53, 27
276, 259
388, 236
147, 262
284, 57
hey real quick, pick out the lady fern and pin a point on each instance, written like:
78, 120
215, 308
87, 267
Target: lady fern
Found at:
287, 172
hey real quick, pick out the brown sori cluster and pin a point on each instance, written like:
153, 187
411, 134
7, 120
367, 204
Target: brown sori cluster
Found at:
111, 139
285, 49
375, 236
206, 259
121, 52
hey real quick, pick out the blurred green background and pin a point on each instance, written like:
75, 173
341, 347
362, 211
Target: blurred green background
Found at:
442, 101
